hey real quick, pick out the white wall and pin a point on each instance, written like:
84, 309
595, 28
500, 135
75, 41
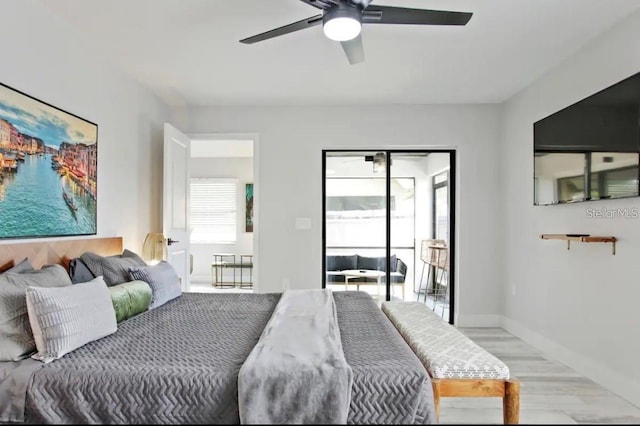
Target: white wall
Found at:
579, 305
228, 167
289, 182
44, 57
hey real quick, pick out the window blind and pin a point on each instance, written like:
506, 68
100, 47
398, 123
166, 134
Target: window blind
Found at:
213, 210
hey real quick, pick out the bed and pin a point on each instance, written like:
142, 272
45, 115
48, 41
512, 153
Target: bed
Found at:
179, 363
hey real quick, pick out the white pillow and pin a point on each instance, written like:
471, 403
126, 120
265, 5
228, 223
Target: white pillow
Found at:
65, 318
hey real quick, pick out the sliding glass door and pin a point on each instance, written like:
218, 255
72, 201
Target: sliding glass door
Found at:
378, 214
437, 287
355, 222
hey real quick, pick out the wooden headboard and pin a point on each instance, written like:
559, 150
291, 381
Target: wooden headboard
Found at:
60, 251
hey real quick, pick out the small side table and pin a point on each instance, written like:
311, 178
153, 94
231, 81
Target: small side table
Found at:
220, 262
246, 261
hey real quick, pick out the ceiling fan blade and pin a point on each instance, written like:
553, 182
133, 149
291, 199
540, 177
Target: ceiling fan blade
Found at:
354, 50
403, 15
296, 26
321, 4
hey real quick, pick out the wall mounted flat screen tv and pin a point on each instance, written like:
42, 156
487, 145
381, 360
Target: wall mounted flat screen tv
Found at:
591, 149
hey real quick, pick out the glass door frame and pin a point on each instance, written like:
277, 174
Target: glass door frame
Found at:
452, 215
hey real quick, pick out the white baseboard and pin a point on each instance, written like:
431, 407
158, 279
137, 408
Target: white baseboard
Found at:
206, 279
479, 321
601, 374
200, 278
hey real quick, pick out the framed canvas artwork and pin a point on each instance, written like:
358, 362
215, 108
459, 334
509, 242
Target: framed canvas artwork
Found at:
48, 169
249, 208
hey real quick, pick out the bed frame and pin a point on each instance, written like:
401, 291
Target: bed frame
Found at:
56, 251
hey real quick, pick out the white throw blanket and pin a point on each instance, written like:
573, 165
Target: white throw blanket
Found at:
297, 372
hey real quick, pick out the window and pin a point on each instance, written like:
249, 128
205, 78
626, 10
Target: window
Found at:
213, 210
441, 206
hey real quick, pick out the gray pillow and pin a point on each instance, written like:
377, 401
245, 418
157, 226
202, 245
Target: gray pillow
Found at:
64, 319
163, 280
114, 269
79, 272
23, 266
93, 262
16, 339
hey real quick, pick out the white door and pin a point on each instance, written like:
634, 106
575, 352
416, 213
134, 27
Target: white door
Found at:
175, 209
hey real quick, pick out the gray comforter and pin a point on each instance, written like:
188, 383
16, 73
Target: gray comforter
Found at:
390, 384
179, 363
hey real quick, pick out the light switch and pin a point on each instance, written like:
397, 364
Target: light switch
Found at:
303, 223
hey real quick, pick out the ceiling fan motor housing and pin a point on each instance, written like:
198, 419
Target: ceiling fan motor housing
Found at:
342, 10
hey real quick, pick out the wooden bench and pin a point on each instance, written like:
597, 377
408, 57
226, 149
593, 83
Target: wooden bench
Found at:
458, 367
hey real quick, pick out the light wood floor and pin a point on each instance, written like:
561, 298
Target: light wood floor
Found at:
550, 391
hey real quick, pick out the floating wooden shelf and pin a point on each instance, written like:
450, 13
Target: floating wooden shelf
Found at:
581, 239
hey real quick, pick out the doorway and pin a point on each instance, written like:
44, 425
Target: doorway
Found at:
381, 211
222, 213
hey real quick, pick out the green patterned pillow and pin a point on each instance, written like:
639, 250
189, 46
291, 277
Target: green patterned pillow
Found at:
130, 299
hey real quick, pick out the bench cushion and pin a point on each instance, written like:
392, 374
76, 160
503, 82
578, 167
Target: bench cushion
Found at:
445, 352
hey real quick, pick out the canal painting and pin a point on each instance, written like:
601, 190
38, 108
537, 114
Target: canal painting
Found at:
48, 169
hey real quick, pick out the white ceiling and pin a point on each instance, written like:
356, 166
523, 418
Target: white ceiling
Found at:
187, 51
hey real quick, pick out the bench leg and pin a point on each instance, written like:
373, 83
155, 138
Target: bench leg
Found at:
511, 402
435, 383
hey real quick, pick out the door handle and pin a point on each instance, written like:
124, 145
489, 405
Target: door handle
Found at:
170, 241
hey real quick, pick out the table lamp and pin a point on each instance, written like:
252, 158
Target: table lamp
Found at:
154, 248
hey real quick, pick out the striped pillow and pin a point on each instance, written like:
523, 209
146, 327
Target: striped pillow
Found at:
65, 318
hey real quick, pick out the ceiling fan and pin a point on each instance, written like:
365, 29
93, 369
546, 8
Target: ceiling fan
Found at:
342, 21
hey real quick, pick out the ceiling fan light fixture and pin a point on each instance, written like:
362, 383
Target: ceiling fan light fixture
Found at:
342, 23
